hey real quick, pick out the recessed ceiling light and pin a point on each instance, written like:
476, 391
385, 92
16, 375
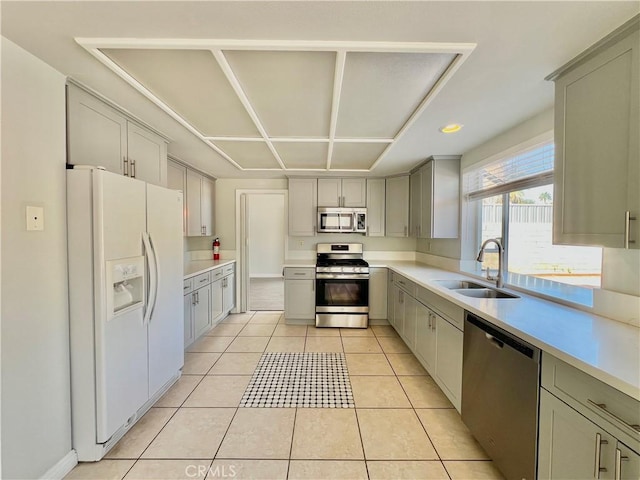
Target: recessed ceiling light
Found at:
451, 128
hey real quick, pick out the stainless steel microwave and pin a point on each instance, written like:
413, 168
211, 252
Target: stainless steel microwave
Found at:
342, 220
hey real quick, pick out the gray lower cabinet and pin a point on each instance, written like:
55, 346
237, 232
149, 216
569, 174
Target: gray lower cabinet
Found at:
201, 311
197, 307
228, 292
189, 333
448, 372
426, 337
377, 293
588, 430
216, 300
299, 293
410, 321
573, 446
432, 328
208, 298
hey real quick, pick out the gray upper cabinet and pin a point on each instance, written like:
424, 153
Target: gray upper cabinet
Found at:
375, 207
303, 206
101, 135
342, 192
597, 166
147, 155
435, 198
177, 180
397, 206
199, 204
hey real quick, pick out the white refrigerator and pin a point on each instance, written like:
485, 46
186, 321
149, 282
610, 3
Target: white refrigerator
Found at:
125, 250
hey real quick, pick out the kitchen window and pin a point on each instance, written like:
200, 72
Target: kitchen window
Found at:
512, 199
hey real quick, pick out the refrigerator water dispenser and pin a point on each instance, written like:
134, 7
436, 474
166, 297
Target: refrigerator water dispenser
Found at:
125, 285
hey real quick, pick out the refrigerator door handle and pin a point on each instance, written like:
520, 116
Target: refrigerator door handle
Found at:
157, 264
153, 278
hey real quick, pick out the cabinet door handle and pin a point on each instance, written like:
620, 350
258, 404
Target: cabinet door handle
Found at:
603, 408
627, 229
618, 467
405, 230
193, 298
126, 166
133, 168
597, 468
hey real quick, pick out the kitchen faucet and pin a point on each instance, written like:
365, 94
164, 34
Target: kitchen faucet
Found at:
500, 277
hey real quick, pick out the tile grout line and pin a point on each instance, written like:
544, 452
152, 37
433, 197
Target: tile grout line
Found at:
295, 419
414, 410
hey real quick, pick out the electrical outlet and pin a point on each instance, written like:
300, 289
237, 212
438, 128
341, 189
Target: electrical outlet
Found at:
35, 218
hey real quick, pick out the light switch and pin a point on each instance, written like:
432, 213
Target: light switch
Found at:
35, 218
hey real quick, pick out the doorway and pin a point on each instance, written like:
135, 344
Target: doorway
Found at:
263, 244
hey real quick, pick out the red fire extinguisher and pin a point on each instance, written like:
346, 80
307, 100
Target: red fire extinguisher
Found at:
216, 249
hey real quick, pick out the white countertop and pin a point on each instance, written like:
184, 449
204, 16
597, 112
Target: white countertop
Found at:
196, 267
605, 349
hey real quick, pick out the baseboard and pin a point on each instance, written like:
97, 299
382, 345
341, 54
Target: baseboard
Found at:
378, 321
295, 321
62, 468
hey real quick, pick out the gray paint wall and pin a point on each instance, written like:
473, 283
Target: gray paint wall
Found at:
36, 416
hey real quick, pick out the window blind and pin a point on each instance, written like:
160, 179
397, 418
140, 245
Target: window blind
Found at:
529, 168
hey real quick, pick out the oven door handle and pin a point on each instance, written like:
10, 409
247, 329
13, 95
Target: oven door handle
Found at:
342, 276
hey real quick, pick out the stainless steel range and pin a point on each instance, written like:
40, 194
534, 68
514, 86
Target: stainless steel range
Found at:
342, 286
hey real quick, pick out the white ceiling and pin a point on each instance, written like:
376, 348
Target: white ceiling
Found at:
241, 87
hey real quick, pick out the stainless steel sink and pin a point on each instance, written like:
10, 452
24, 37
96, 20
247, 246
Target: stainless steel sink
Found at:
458, 284
484, 293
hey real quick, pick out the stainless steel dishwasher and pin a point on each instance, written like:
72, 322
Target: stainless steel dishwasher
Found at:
500, 387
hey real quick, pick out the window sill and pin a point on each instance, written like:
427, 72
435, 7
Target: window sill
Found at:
570, 295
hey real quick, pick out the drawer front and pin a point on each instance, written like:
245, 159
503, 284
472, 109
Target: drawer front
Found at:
228, 269
450, 311
295, 273
569, 383
405, 284
201, 280
217, 274
187, 286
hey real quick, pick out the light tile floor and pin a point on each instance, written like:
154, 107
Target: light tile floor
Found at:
403, 427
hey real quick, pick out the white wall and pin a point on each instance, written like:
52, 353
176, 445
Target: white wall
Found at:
226, 204
36, 416
536, 125
267, 226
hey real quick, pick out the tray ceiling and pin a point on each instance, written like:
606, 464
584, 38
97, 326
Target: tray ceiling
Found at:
306, 106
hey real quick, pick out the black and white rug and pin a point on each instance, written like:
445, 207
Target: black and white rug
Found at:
312, 380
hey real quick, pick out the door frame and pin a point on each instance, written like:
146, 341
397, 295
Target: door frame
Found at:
243, 239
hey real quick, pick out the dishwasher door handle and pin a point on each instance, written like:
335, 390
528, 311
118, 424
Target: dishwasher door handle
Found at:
494, 341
